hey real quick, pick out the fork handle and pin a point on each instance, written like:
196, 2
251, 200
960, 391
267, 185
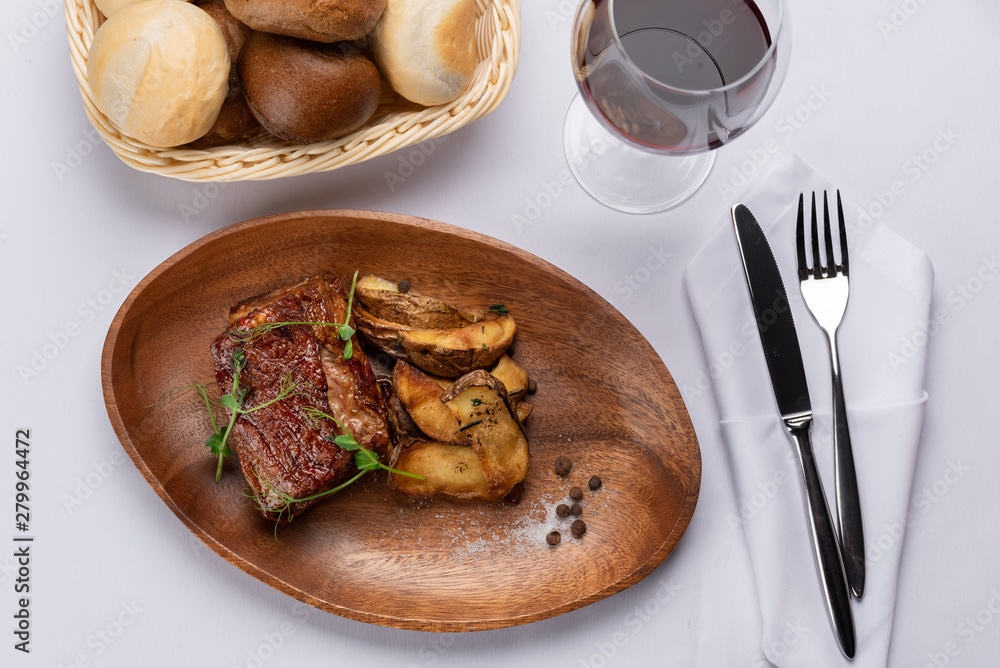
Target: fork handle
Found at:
851, 529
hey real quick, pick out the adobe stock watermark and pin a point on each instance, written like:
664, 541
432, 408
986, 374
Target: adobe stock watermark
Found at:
410, 160
8, 567
764, 491
87, 311
107, 635
920, 504
632, 624
88, 483
435, 648
272, 641
713, 30
792, 635
656, 258
723, 360
562, 14
913, 169
752, 503
31, 25
899, 16
202, 195
786, 127
958, 298
550, 191
75, 154
967, 631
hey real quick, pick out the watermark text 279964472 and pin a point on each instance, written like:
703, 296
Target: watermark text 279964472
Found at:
22, 540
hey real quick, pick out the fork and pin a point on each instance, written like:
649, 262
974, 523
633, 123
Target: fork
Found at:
825, 290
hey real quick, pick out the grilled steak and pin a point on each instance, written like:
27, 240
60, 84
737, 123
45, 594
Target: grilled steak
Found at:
284, 452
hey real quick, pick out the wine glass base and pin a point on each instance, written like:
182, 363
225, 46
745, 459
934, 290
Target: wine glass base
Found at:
622, 176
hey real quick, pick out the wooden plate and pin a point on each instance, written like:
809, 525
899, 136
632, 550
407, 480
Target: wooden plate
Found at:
604, 399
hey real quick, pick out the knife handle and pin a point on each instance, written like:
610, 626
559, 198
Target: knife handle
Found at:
825, 545
852, 528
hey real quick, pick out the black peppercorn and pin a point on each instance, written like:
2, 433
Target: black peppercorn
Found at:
594, 483
578, 528
576, 509
575, 493
553, 538
563, 465
562, 510
404, 286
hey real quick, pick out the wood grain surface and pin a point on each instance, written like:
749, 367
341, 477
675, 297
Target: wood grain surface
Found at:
604, 399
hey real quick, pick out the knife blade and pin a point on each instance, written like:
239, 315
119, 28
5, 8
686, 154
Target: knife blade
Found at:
791, 393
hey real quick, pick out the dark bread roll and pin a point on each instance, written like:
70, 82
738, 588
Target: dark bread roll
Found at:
235, 121
234, 30
318, 20
307, 91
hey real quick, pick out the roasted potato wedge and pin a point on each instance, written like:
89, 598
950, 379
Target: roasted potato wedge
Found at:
449, 470
489, 419
523, 410
383, 300
513, 376
454, 352
421, 395
443, 352
438, 337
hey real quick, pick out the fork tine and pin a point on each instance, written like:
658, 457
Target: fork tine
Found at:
800, 240
831, 262
843, 235
815, 242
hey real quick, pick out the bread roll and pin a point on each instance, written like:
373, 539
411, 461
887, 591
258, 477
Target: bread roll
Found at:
317, 20
159, 70
427, 48
235, 121
306, 91
109, 7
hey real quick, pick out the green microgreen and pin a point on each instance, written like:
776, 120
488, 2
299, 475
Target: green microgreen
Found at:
344, 329
218, 442
364, 459
499, 308
288, 501
202, 391
215, 442
470, 425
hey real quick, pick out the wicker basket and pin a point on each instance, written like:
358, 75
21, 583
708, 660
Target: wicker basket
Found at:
396, 124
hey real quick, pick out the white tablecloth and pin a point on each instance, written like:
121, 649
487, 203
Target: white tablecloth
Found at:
892, 100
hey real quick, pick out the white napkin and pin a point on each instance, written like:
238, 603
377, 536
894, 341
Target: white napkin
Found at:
883, 343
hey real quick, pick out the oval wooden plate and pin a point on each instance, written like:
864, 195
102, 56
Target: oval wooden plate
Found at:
604, 399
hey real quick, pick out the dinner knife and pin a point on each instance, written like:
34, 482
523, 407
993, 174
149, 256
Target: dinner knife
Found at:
791, 392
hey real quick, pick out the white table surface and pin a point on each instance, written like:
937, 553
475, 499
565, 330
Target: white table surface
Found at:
116, 579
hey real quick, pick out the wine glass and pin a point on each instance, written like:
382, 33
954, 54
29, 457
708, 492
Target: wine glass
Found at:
663, 83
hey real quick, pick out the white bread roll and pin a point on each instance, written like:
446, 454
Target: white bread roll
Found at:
159, 70
109, 7
426, 49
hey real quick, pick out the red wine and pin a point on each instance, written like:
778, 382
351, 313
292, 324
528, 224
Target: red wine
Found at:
667, 82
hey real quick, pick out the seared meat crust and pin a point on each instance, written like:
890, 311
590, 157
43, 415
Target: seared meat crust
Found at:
280, 447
